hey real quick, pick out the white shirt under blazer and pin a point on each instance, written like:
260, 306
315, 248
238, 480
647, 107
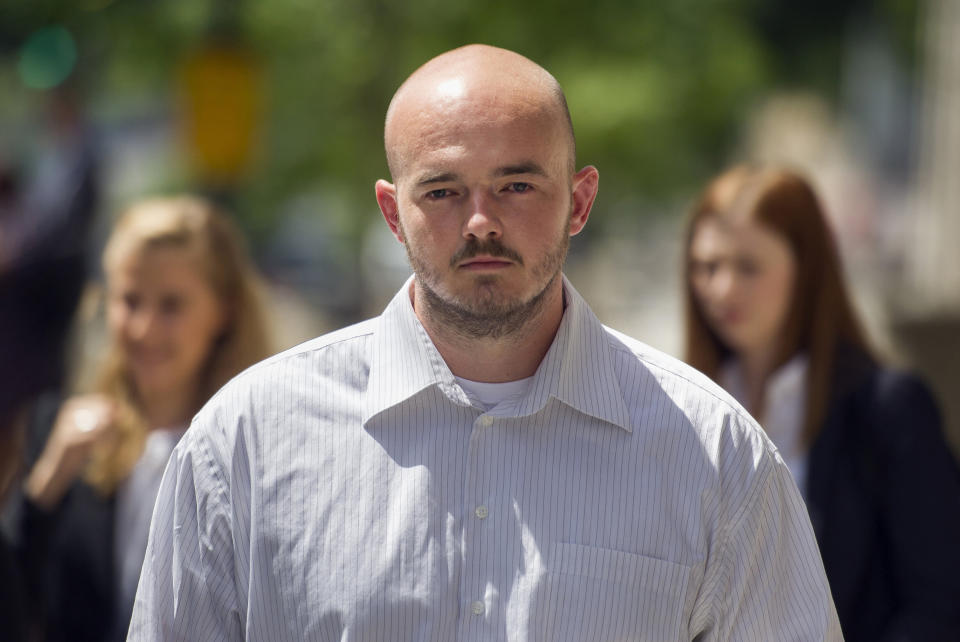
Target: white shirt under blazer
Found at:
348, 490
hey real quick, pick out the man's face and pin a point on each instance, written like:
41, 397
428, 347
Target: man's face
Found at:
484, 197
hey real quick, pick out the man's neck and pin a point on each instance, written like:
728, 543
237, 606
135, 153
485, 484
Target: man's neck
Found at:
493, 360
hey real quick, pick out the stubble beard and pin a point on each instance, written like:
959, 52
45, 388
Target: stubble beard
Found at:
488, 313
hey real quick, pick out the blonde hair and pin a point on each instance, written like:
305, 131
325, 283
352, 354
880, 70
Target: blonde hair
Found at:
195, 224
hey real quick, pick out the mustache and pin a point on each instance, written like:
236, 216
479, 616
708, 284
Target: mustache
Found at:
492, 248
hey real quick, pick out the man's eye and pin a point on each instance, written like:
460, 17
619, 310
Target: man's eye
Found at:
519, 188
438, 193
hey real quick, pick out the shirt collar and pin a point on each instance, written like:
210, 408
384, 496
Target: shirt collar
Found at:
578, 369
404, 360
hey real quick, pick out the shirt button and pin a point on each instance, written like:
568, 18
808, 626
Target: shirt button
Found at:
481, 512
486, 420
477, 608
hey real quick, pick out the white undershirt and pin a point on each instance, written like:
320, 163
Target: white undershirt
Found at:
784, 407
490, 395
136, 496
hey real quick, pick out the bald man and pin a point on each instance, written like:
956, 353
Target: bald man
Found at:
485, 460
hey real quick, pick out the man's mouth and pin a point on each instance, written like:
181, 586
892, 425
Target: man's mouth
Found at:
485, 263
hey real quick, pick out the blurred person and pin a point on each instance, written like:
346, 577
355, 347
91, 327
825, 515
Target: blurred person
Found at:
48, 206
46, 214
13, 612
769, 318
184, 316
484, 460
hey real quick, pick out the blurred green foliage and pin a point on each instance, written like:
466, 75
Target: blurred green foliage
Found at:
657, 89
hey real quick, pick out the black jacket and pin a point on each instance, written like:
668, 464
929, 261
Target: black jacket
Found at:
71, 566
67, 554
13, 616
883, 491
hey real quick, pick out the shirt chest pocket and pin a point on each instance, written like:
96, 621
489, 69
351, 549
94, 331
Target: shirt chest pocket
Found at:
600, 594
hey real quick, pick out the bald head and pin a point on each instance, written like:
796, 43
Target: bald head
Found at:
475, 83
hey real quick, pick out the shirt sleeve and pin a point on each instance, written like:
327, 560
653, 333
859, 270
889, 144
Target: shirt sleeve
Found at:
187, 588
771, 582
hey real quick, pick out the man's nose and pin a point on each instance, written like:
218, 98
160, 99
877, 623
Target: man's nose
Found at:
483, 221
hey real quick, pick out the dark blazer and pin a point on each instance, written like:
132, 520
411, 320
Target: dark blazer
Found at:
72, 578
883, 491
13, 616
67, 555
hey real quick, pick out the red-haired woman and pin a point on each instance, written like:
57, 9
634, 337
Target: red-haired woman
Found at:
769, 318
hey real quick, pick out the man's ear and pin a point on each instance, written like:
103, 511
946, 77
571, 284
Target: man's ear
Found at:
586, 182
387, 200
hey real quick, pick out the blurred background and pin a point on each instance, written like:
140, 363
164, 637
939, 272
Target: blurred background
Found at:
276, 108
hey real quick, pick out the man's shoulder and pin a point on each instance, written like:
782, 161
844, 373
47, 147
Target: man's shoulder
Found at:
293, 379
307, 355
665, 391
347, 338
341, 354
671, 374
670, 402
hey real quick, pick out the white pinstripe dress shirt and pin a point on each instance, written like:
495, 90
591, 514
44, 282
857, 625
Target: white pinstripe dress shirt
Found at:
347, 490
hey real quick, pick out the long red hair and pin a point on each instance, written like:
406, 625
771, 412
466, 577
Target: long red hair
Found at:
821, 317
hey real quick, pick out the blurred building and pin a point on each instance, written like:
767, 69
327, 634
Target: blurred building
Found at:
927, 307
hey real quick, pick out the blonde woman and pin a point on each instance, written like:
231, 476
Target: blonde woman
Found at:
184, 316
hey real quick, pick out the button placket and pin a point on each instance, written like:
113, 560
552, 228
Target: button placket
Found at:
476, 576
480, 511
